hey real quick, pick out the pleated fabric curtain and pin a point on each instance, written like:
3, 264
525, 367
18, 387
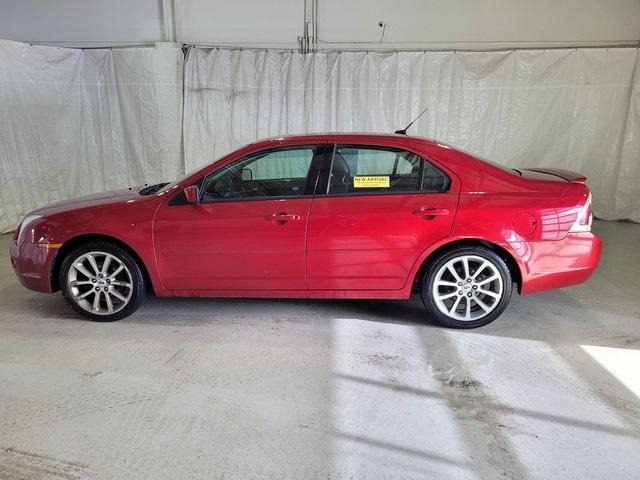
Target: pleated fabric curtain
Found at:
81, 121
74, 122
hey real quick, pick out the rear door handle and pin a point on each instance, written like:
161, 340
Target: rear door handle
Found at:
431, 212
282, 217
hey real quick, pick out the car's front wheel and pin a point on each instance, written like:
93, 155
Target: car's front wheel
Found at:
102, 281
467, 287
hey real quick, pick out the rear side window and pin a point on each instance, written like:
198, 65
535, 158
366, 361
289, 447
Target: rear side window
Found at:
357, 169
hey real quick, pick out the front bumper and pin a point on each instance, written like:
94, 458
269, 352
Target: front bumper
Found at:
547, 265
32, 265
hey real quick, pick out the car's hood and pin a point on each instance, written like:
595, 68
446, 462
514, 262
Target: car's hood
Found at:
93, 200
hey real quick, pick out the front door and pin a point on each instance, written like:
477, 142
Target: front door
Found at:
247, 232
381, 209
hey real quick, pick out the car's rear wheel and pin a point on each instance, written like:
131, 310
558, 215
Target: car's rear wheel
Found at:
102, 281
467, 287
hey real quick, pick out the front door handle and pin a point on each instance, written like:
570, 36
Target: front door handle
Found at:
430, 212
281, 218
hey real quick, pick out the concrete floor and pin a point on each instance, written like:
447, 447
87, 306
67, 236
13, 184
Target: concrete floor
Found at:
241, 389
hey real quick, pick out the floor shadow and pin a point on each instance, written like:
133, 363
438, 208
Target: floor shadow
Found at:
201, 311
523, 412
23, 302
480, 420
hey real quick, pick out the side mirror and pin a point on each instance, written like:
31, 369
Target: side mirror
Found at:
191, 194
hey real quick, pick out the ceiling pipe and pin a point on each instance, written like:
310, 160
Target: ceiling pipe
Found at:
308, 41
167, 21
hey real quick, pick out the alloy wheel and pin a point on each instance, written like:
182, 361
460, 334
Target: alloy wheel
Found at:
467, 288
100, 283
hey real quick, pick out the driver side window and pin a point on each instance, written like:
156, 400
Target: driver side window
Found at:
273, 173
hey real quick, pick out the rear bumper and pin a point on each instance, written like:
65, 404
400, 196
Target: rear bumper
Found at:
32, 265
547, 265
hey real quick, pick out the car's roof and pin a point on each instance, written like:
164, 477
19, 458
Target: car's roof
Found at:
343, 137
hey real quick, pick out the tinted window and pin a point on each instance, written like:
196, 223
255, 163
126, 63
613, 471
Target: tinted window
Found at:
434, 179
371, 169
275, 173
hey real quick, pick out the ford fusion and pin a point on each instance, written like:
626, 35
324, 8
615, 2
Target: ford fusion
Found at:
320, 216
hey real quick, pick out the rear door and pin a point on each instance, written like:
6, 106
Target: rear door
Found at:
376, 210
248, 231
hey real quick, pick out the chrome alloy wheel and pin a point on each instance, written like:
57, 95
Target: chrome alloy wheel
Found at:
467, 288
100, 283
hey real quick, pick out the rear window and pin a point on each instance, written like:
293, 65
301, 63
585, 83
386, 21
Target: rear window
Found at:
502, 167
513, 171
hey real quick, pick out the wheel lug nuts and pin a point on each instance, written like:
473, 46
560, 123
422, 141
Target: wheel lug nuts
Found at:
460, 284
93, 280
460, 292
100, 275
469, 294
475, 287
468, 280
97, 289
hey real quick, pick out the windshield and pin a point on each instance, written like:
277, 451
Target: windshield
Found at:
152, 189
168, 186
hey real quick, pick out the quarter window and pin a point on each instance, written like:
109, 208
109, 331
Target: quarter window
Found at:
433, 179
274, 173
371, 169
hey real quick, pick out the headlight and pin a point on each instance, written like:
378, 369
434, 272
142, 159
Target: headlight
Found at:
24, 225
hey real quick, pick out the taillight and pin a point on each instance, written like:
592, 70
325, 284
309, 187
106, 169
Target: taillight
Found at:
583, 221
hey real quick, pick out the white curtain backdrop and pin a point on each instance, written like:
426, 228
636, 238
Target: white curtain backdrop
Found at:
573, 109
80, 121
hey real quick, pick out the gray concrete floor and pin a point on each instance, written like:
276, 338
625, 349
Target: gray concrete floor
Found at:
240, 389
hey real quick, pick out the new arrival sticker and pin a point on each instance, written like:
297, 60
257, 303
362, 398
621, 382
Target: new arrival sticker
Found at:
378, 181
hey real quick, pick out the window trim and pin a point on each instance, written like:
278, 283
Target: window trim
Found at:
423, 161
310, 185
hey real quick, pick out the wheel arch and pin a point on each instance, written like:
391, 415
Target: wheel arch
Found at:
68, 246
512, 264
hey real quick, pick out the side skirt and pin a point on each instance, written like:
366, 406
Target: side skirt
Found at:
354, 294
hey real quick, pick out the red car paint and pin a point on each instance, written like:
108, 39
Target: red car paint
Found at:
325, 246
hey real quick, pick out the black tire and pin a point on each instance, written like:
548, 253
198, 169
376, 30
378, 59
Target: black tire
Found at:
137, 290
497, 308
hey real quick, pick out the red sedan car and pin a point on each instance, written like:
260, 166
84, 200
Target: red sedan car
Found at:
320, 216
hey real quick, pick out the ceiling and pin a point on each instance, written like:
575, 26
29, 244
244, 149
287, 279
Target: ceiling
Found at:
407, 24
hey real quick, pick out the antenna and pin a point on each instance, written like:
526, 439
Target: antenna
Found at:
404, 130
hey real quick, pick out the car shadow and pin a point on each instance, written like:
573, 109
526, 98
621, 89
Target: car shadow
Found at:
198, 311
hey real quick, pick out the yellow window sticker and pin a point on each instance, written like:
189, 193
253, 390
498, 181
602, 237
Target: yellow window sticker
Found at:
378, 181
